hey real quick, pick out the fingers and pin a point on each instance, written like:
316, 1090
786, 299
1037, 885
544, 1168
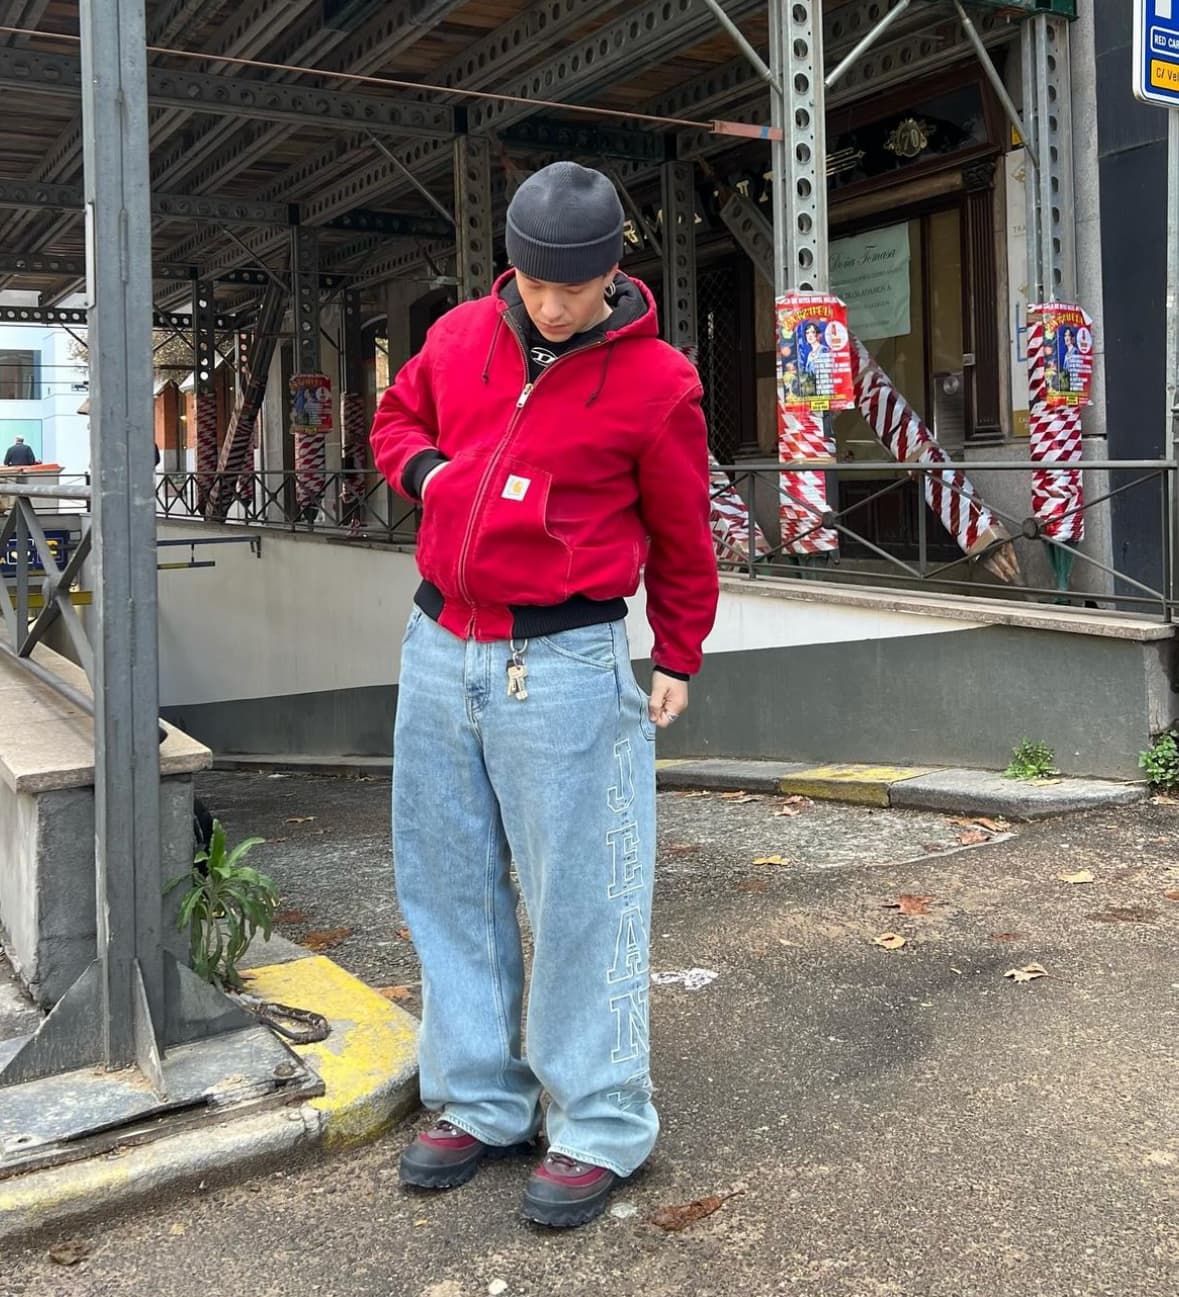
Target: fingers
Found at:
669, 699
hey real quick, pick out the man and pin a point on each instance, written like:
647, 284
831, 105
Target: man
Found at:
18, 455
557, 446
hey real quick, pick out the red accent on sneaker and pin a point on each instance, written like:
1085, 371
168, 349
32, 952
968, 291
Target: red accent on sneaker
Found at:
592, 1176
448, 1136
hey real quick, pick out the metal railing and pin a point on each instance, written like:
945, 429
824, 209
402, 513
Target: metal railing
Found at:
1152, 480
360, 505
363, 506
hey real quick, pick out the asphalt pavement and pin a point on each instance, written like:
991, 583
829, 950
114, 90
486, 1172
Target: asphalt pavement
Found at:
900, 1121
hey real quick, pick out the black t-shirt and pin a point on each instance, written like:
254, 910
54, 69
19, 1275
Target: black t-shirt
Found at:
542, 352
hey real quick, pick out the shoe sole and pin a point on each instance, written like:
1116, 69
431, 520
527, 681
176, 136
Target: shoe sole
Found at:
563, 1215
450, 1177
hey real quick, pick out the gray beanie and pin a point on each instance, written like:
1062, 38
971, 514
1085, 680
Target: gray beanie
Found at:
565, 225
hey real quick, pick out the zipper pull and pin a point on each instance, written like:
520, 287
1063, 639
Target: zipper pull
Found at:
524, 395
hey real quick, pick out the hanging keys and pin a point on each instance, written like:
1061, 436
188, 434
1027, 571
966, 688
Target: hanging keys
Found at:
517, 672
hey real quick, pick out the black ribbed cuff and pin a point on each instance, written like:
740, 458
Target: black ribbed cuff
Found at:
675, 675
415, 471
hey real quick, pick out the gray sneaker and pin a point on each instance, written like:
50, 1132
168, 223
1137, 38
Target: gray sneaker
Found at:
563, 1192
444, 1157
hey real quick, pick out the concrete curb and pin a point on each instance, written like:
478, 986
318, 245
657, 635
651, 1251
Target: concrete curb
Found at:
369, 1067
961, 791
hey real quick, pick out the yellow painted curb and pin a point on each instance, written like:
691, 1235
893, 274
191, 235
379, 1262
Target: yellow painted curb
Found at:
369, 1061
863, 785
666, 763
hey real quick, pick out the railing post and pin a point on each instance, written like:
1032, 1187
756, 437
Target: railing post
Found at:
922, 531
22, 570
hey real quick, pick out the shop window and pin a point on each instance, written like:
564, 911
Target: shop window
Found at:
724, 321
20, 375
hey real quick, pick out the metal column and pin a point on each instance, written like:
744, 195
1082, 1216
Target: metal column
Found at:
679, 257
310, 442
204, 348
126, 716
352, 414
473, 225
800, 156
800, 251
1047, 97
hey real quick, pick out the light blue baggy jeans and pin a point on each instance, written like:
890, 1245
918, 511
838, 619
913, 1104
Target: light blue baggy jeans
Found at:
563, 784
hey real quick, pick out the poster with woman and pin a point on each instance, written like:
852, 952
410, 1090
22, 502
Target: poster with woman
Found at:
814, 353
1067, 353
311, 403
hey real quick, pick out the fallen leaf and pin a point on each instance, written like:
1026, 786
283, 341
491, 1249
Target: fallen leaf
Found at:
403, 933
1161, 799
419, 1223
70, 1253
300, 819
911, 905
983, 822
394, 992
1028, 973
890, 941
693, 792
770, 860
740, 797
687, 1213
973, 837
1081, 876
788, 811
756, 885
177, 1230
325, 939
276, 840
1006, 936
290, 916
1125, 914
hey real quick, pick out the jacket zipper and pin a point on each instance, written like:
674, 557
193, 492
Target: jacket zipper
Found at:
505, 441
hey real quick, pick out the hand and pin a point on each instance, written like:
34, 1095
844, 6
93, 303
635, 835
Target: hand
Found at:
431, 474
669, 699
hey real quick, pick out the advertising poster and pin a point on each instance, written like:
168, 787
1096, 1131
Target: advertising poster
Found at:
814, 354
311, 403
1068, 354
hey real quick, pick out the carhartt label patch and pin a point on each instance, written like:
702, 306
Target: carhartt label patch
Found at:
516, 487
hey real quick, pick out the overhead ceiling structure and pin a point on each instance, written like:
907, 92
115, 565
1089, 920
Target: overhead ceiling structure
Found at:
246, 144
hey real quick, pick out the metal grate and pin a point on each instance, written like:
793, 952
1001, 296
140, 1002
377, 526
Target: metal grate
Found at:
723, 358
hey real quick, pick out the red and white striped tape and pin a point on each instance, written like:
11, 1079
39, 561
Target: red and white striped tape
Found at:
902, 432
802, 495
1054, 438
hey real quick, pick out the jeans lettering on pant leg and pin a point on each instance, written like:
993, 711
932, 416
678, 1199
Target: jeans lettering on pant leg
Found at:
630, 947
626, 869
630, 1023
621, 796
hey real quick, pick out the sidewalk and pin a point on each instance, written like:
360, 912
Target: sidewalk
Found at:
894, 1123
921, 788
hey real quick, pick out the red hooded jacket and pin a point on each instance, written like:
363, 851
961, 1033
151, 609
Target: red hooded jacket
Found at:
563, 487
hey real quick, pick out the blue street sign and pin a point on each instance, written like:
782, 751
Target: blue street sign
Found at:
1156, 52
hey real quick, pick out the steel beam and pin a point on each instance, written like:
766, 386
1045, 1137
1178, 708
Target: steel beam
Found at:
193, 207
305, 297
799, 158
569, 138
473, 226
389, 33
393, 224
1052, 273
126, 717
240, 96
679, 256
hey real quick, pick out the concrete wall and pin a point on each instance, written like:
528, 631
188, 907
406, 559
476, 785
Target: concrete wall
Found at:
47, 880
296, 654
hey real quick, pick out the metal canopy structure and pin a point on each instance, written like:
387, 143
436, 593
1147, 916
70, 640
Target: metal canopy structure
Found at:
219, 167
240, 150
